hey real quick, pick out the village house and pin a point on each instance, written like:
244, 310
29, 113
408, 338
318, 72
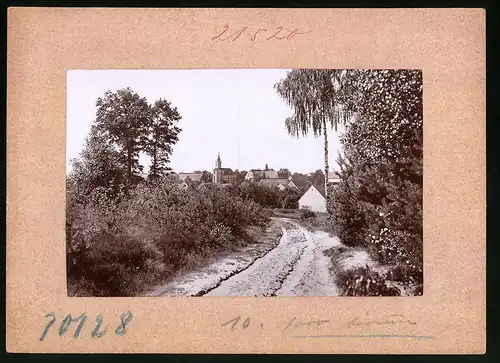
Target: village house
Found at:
291, 184
333, 177
314, 198
267, 173
281, 183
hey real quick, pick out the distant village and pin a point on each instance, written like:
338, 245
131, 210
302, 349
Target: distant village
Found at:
311, 187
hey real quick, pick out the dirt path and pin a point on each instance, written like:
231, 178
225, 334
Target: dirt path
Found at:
296, 266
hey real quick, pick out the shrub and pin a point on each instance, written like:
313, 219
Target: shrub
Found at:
114, 265
346, 216
364, 281
378, 203
290, 200
116, 247
306, 213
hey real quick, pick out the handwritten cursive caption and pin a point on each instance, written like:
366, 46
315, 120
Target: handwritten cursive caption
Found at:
393, 319
278, 33
98, 330
239, 323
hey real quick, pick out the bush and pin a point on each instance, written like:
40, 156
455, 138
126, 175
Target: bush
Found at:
114, 248
346, 217
364, 281
306, 213
289, 199
114, 266
378, 204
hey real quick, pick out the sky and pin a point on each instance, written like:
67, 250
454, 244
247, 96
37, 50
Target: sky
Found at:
235, 112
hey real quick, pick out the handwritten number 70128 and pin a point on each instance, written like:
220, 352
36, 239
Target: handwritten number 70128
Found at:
267, 34
97, 332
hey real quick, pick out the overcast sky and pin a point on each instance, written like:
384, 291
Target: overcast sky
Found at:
234, 112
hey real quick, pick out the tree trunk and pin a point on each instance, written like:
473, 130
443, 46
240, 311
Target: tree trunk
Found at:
325, 134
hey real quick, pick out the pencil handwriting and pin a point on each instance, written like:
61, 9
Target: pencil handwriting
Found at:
278, 33
97, 332
389, 320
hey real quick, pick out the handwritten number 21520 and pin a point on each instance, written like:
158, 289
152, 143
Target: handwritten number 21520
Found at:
97, 332
223, 36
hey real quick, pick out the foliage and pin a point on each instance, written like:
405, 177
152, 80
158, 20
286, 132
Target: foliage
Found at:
99, 167
122, 118
117, 247
130, 125
289, 199
314, 95
161, 134
378, 203
346, 216
317, 178
364, 281
269, 197
306, 213
206, 177
284, 173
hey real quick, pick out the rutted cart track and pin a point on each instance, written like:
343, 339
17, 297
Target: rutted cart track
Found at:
295, 266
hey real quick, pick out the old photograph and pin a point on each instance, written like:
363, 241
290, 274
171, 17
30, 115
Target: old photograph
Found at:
244, 182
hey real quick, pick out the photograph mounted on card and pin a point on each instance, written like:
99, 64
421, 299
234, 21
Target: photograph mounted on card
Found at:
302, 175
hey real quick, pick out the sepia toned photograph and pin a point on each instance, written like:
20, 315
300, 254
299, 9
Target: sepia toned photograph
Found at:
244, 182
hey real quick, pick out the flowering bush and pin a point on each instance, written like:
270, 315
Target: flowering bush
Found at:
364, 281
378, 203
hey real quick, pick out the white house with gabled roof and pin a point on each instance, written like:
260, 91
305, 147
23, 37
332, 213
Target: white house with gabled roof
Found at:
314, 199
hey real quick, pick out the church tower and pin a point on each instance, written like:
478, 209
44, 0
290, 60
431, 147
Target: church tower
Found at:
218, 163
217, 176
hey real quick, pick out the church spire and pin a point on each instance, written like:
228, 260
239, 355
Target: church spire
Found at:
218, 163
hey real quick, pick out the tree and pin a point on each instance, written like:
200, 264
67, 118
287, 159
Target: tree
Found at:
99, 165
161, 134
206, 177
289, 199
240, 175
314, 96
317, 177
122, 118
284, 173
379, 199
97, 175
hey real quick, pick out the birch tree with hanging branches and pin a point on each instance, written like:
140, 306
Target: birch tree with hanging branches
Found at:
315, 96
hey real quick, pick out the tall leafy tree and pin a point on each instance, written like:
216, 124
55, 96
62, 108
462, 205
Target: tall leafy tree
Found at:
99, 166
122, 117
314, 96
161, 134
